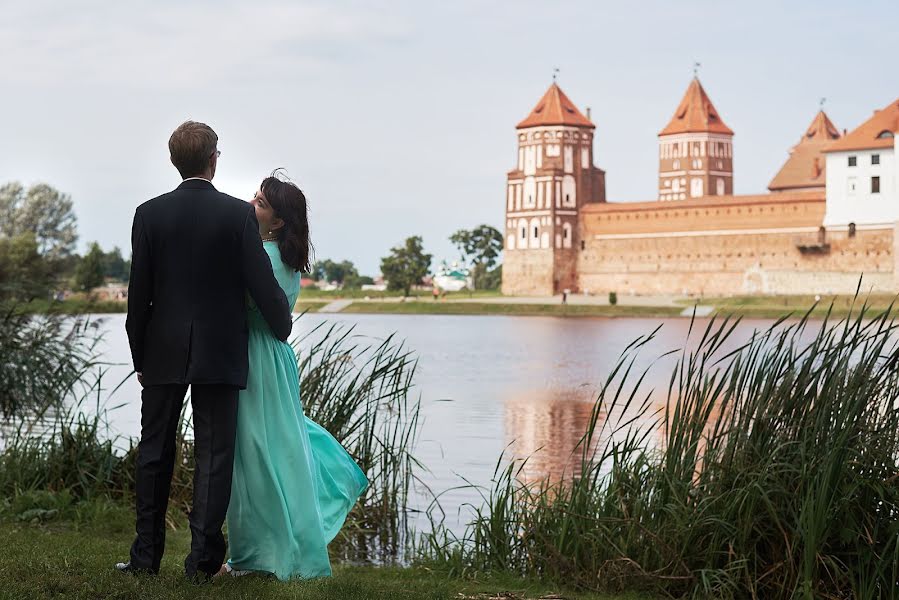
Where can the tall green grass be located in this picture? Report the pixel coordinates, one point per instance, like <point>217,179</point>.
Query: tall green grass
<point>357,388</point>
<point>778,476</point>
<point>44,359</point>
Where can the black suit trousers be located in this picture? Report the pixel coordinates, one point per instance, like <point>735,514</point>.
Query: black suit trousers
<point>215,424</point>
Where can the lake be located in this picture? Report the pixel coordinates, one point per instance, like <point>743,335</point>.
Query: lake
<point>486,384</point>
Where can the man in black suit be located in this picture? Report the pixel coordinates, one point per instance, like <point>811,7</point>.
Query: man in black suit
<point>196,252</point>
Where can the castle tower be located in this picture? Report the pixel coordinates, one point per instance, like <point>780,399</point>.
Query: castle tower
<point>805,169</point>
<point>554,177</point>
<point>695,150</point>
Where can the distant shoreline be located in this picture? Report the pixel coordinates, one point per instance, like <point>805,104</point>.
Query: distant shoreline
<point>762,307</point>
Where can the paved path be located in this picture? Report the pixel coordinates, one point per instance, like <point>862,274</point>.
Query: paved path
<point>335,306</point>
<point>701,311</point>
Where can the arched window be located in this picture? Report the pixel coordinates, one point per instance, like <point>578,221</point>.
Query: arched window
<point>851,229</point>
<point>535,233</point>
<point>523,233</point>
<point>696,187</point>
<point>885,134</point>
<point>719,187</point>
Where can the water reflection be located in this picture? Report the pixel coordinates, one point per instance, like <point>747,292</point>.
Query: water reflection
<point>546,426</point>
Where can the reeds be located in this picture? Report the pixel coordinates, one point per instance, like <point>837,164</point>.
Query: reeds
<point>357,388</point>
<point>778,476</point>
<point>44,359</point>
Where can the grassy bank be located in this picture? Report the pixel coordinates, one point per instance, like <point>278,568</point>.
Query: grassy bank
<point>772,307</point>
<point>71,556</point>
<point>762,307</point>
<point>83,306</point>
<point>430,307</point>
<point>78,305</point>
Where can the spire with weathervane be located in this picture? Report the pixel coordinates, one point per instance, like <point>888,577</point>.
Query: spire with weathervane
<point>695,149</point>
<point>804,169</point>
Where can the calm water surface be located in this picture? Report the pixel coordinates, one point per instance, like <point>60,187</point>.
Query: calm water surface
<point>487,384</point>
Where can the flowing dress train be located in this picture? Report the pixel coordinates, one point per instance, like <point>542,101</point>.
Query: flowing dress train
<point>293,483</point>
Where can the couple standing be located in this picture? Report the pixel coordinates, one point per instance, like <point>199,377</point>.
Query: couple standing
<point>213,280</point>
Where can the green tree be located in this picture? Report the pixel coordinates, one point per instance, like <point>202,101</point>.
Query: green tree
<point>24,274</point>
<point>492,279</point>
<point>334,272</point>
<point>480,249</point>
<point>406,265</point>
<point>89,272</point>
<point>355,282</point>
<point>42,211</point>
<point>115,266</point>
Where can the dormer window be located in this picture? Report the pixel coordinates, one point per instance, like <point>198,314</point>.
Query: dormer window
<point>853,161</point>
<point>885,134</point>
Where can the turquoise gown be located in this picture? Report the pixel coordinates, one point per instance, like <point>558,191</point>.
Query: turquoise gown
<point>293,483</point>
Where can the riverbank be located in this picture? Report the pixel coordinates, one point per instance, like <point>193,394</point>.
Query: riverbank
<point>74,559</point>
<point>490,303</point>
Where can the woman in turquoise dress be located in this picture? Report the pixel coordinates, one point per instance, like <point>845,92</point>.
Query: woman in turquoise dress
<point>293,483</point>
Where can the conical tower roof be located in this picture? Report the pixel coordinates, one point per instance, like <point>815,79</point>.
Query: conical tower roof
<point>696,114</point>
<point>805,166</point>
<point>822,129</point>
<point>555,108</point>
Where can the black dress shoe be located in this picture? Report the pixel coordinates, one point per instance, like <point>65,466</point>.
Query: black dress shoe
<point>126,567</point>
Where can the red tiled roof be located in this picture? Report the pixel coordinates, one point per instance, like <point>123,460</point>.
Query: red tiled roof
<point>696,114</point>
<point>555,108</point>
<point>805,166</point>
<point>873,133</point>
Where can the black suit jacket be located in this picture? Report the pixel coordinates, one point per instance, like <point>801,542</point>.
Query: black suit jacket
<point>195,253</point>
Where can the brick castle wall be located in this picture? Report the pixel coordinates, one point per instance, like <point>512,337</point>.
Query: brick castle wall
<point>721,265</point>
<point>528,272</point>
<point>769,244</point>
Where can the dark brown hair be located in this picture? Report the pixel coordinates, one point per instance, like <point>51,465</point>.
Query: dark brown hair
<point>289,204</point>
<point>191,146</point>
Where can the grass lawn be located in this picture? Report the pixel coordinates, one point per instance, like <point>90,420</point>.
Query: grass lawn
<point>308,306</point>
<point>430,307</point>
<point>777,306</point>
<point>78,305</point>
<point>67,560</point>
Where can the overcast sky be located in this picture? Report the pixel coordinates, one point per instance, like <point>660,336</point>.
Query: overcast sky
<point>399,120</point>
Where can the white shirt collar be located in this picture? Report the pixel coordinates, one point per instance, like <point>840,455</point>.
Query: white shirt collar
<point>200,178</point>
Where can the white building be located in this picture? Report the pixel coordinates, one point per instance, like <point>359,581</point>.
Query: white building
<point>863,174</point>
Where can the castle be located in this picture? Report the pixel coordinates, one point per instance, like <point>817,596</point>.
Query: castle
<point>829,217</point>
